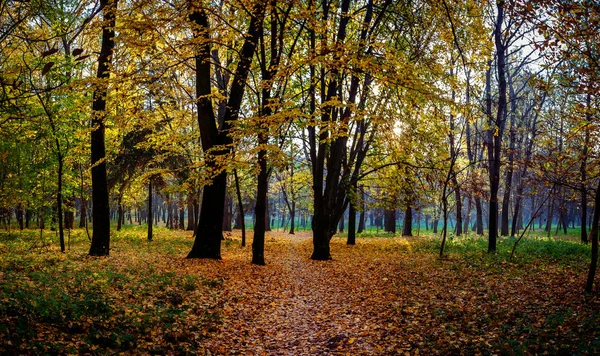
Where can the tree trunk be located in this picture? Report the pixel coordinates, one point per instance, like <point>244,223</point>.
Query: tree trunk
<point>390,220</point>
<point>150,213</point>
<point>511,158</point>
<point>20,216</point>
<point>207,243</point>
<point>407,225</point>
<point>240,207</point>
<point>458,198</point>
<point>321,237</point>
<point>594,237</point>
<point>59,203</point>
<point>341,224</point>
<point>83,212</point>
<point>27,218</point>
<point>260,209</point>
<point>351,225</point>
<point>361,220</point>
<point>190,211</point>
<point>293,217</point>
<point>496,130</point>
<point>267,215</point>
<point>583,172</point>
<point>120,215</point>
<point>478,216</point>
<point>227,213</point>
<point>100,207</point>
<point>181,213</point>
<point>209,231</point>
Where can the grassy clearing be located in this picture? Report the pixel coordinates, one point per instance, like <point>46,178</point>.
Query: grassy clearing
<point>137,299</point>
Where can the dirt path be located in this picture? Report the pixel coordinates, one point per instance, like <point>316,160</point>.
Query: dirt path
<point>292,306</point>
<point>388,297</point>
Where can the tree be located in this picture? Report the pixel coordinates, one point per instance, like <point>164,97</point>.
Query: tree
<point>496,127</point>
<point>329,152</point>
<point>216,142</point>
<point>100,207</point>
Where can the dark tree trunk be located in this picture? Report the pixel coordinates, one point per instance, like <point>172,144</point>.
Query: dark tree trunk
<point>390,221</point>
<point>69,213</point>
<point>361,221</point>
<point>150,219</point>
<point>240,207</point>
<point>583,172</point>
<point>196,206</point>
<point>511,158</point>
<point>27,218</point>
<point>260,209</point>
<point>267,215</point>
<point>227,214</point>
<point>478,216</point>
<point>20,216</point>
<point>594,237</point>
<point>341,224</point>
<point>321,236</point>
<point>181,213</point>
<point>100,207</point>
<point>120,215</point>
<point>436,220</point>
<point>458,198</point>
<point>407,225</point>
<point>82,213</point>
<point>496,130</point>
<point>190,211</point>
<point>209,231</point>
<point>293,217</point>
<point>59,202</point>
<point>351,225</point>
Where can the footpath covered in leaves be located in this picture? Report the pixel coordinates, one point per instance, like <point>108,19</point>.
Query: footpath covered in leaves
<point>388,296</point>
<point>393,296</point>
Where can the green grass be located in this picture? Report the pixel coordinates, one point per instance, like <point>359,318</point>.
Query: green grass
<point>58,303</point>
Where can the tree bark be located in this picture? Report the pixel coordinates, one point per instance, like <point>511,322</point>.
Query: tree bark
<point>496,128</point>
<point>59,201</point>
<point>390,220</point>
<point>511,158</point>
<point>150,219</point>
<point>583,172</point>
<point>100,206</point>
<point>190,211</point>
<point>120,215</point>
<point>351,225</point>
<point>407,225</point>
<point>240,207</point>
<point>341,224</point>
<point>260,209</point>
<point>594,237</point>
<point>361,216</point>
<point>293,217</point>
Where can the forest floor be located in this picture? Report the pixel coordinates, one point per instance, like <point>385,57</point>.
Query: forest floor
<point>382,296</point>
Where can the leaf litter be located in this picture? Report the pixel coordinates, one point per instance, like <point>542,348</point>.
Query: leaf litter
<point>388,296</point>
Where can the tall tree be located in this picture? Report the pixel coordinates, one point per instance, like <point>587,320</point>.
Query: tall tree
<point>496,130</point>
<point>100,207</point>
<point>215,138</point>
<point>335,159</point>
